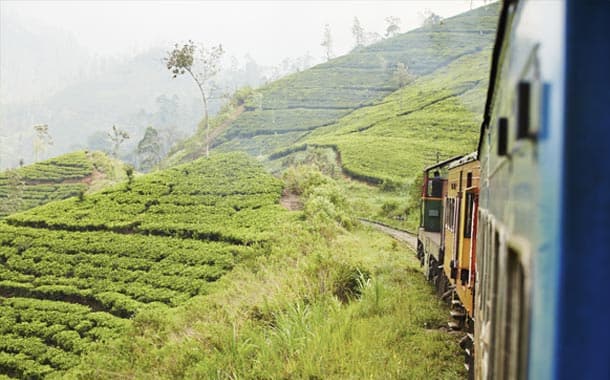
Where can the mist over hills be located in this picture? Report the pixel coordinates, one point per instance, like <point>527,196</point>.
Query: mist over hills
<point>80,96</point>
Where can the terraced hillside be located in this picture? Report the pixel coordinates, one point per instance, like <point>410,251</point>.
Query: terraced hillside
<point>72,271</point>
<point>289,110</point>
<point>391,141</point>
<point>54,179</point>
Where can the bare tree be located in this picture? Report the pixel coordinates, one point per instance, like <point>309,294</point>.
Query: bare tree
<point>201,64</point>
<point>327,43</point>
<point>42,140</point>
<point>358,33</point>
<point>117,136</point>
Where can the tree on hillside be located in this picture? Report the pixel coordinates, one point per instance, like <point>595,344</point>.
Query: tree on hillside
<point>393,26</point>
<point>402,76</point>
<point>42,140</point>
<point>117,136</point>
<point>431,18</point>
<point>327,43</point>
<point>149,149</point>
<point>358,33</point>
<point>202,64</point>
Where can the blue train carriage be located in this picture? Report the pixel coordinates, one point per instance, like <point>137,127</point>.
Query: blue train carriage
<point>429,236</point>
<point>543,261</point>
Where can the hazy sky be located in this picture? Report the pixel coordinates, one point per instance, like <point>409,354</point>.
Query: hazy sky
<point>268,30</point>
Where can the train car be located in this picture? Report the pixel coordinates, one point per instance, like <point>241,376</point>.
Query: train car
<point>430,247</point>
<point>543,263</point>
<point>460,228</point>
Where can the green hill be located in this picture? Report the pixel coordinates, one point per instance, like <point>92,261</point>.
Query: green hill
<point>292,110</point>
<point>56,178</point>
<point>74,270</point>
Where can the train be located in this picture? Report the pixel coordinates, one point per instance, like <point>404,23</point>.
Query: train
<point>516,235</point>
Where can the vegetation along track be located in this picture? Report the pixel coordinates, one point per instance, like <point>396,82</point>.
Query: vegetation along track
<point>404,236</point>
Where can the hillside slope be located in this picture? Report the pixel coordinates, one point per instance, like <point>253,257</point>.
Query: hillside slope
<point>56,178</point>
<point>73,271</point>
<point>435,117</point>
<point>289,110</point>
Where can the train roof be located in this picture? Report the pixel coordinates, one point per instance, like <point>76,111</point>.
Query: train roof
<point>495,67</point>
<point>442,163</point>
<point>464,160</point>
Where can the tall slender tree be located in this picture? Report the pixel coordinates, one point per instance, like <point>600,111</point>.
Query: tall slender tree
<point>358,33</point>
<point>42,140</point>
<point>202,64</point>
<point>327,43</point>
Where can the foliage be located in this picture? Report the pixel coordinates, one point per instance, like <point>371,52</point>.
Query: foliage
<point>117,137</point>
<point>151,245</point>
<point>202,64</point>
<point>392,27</point>
<point>149,149</point>
<point>327,43</point>
<point>279,317</point>
<point>358,33</point>
<point>283,112</point>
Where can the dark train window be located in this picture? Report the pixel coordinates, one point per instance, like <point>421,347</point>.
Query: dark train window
<point>468,180</point>
<point>468,213</point>
<point>515,342</point>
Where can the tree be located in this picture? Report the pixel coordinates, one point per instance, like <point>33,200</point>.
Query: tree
<point>401,75</point>
<point>327,43</point>
<point>42,140</point>
<point>393,27</point>
<point>358,33</point>
<point>117,136</point>
<point>149,149</point>
<point>201,64</point>
<point>431,18</point>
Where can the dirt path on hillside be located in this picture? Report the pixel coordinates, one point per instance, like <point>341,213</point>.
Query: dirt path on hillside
<point>291,201</point>
<point>404,236</point>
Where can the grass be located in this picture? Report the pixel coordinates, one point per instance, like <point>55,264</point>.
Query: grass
<point>280,315</point>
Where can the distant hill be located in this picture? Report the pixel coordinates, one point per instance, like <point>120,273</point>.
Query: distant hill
<point>318,105</point>
<point>57,178</point>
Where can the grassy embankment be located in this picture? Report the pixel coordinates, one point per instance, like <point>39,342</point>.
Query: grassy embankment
<point>196,272</point>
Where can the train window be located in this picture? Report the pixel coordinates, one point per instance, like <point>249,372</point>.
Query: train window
<point>514,318</point>
<point>450,214</point>
<point>502,136</point>
<point>469,180</point>
<point>468,213</point>
<point>523,110</point>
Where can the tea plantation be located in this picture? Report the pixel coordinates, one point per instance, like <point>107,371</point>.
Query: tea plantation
<point>54,179</point>
<point>74,270</point>
<point>291,109</point>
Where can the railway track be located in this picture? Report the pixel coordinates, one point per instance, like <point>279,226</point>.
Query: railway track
<point>401,235</point>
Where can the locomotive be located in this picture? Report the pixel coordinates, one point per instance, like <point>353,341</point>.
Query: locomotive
<point>515,235</point>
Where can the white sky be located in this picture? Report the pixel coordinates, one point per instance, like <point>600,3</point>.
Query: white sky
<point>268,30</point>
